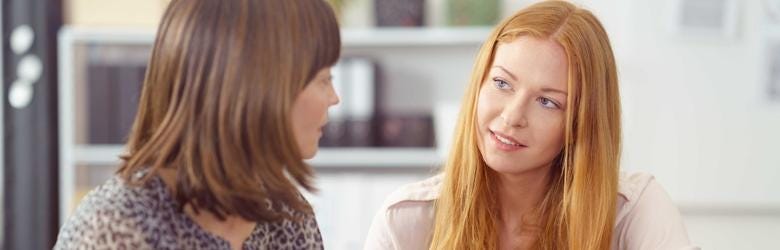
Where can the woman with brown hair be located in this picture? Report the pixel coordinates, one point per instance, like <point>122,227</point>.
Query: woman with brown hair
<point>234,99</point>
<point>535,158</point>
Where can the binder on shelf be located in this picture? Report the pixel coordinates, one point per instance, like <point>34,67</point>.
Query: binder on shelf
<point>403,13</point>
<point>100,105</point>
<point>407,131</point>
<point>129,86</point>
<point>112,100</point>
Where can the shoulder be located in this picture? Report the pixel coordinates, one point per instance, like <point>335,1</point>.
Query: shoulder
<point>422,191</point>
<point>416,198</point>
<point>646,217</point>
<point>631,186</point>
<point>406,218</point>
<point>634,189</point>
<point>412,205</point>
<point>115,214</point>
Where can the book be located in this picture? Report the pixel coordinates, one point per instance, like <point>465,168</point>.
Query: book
<point>101,107</point>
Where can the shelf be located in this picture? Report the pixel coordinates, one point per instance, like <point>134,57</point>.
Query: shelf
<point>414,36</point>
<point>375,157</point>
<point>326,157</point>
<point>98,154</point>
<point>122,35</point>
<point>378,37</point>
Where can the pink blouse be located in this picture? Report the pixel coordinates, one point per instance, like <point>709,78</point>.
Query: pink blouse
<point>646,217</point>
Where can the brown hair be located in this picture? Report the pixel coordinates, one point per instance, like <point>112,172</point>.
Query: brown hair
<point>578,210</point>
<point>217,97</point>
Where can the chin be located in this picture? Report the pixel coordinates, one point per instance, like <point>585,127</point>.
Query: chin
<point>507,166</point>
<point>309,153</point>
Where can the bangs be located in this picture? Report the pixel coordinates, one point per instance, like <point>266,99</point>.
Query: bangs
<point>325,40</point>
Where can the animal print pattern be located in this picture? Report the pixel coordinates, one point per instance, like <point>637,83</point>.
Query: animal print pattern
<point>119,216</point>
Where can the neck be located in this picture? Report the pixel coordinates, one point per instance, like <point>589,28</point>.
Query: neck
<point>519,196</point>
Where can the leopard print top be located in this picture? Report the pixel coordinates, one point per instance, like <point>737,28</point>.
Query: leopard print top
<point>119,216</point>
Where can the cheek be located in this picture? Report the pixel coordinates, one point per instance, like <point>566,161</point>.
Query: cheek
<point>485,110</point>
<point>317,111</point>
<point>554,133</point>
<point>309,115</point>
<point>299,120</point>
<point>301,116</point>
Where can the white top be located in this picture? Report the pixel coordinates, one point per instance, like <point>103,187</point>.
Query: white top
<point>646,217</point>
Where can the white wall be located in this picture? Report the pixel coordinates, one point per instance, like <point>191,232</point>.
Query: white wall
<point>698,116</point>
<point>730,231</point>
<point>697,112</point>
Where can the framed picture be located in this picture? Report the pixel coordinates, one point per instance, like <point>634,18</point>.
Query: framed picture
<point>771,32</point>
<point>705,18</point>
<point>773,68</point>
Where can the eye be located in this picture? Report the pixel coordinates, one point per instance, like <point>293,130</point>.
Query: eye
<point>501,84</point>
<point>548,103</point>
<point>327,81</point>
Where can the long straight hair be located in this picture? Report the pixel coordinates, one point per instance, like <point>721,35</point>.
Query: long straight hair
<point>216,100</point>
<point>578,210</point>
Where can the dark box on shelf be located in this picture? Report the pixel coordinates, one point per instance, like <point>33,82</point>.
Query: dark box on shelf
<point>406,131</point>
<point>112,99</point>
<point>404,13</point>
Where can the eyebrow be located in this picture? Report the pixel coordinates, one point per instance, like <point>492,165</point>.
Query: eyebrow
<point>506,71</point>
<point>555,90</point>
<point>543,89</point>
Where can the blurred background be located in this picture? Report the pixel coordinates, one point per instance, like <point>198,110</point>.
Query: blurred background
<point>700,86</point>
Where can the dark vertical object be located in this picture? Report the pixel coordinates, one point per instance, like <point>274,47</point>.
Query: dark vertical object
<point>774,72</point>
<point>112,99</point>
<point>30,160</point>
<point>128,92</point>
<point>403,13</point>
<point>101,82</point>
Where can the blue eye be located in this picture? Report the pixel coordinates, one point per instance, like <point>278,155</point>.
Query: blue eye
<point>548,103</point>
<point>501,84</point>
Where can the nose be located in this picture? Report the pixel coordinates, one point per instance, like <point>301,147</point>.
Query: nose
<point>333,96</point>
<point>514,112</point>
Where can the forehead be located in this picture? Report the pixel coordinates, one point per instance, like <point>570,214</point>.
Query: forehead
<point>533,60</point>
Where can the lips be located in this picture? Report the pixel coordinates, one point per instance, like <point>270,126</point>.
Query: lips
<point>506,140</point>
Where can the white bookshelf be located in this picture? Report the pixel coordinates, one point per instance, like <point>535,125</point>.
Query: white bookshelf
<point>420,47</point>
<point>379,37</point>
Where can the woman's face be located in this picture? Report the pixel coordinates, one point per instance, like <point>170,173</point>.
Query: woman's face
<point>521,107</point>
<point>310,112</point>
